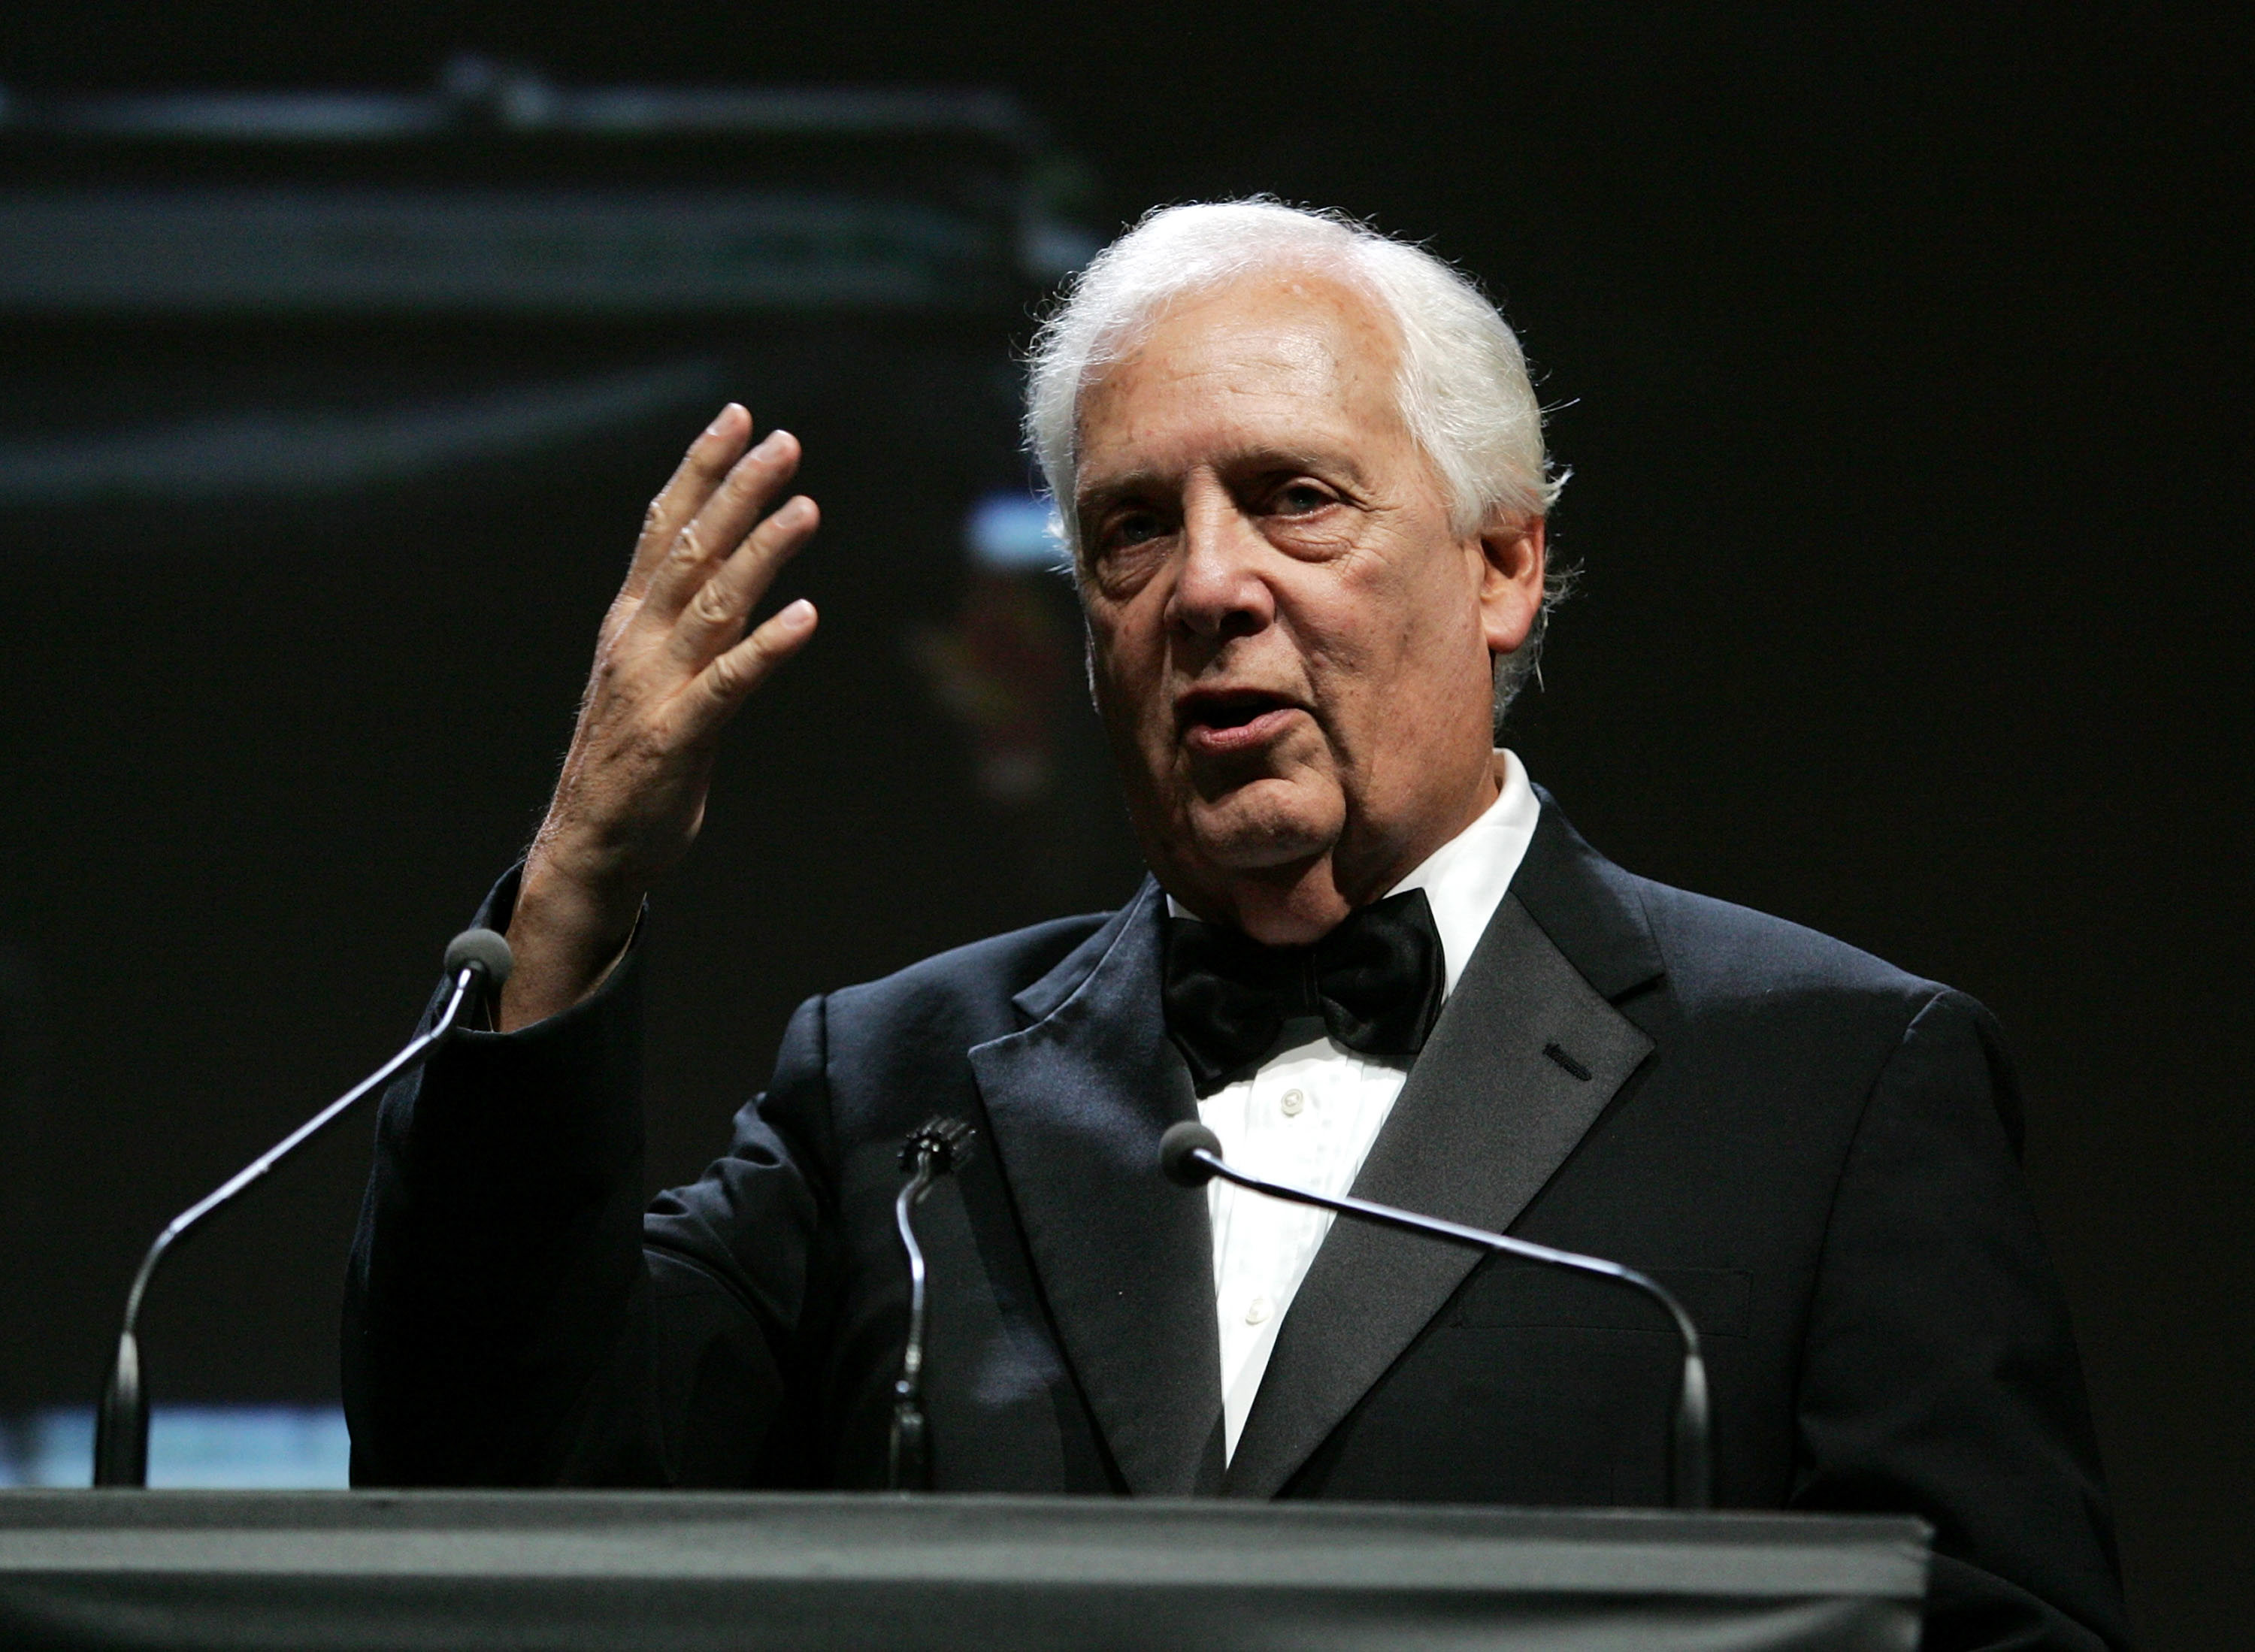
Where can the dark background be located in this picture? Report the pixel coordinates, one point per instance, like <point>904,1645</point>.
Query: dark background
<point>1900,362</point>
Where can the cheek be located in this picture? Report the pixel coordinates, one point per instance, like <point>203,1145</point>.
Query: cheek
<point>1126,665</point>
<point>1378,646</point>
<point>1358,635</point>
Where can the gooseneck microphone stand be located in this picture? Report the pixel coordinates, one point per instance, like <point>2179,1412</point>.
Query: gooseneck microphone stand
<point>1190,1155</point>
<point>931,1152</point>
<point>477,960</point>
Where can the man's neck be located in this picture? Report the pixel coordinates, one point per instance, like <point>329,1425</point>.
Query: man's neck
<point>1301,902</point>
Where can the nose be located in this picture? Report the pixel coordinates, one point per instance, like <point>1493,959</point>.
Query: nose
<point>1219,590</point>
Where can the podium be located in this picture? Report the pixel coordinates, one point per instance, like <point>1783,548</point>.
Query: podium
<point>480,1571</point>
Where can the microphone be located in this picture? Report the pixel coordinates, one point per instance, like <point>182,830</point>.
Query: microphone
<point>477,961</point>
<point>1190,1156</point>
<point>932,1150</point>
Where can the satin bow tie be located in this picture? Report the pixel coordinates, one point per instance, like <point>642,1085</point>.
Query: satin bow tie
<point>1375,981</point>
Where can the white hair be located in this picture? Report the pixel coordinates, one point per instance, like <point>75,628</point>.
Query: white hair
<point>1463,387</point>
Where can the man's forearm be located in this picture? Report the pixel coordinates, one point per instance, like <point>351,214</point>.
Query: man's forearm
<point>499,1250</point>
<point>567,936</point>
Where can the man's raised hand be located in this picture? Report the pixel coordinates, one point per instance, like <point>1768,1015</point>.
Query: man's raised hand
<point>673,661</point>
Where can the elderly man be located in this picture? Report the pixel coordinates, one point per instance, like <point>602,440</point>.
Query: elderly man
<point>1302,472</point>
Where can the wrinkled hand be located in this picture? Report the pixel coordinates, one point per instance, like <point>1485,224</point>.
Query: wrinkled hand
<point>673,662</point>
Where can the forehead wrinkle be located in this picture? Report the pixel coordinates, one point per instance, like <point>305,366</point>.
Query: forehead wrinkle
<point>1322,438</point>
<point>1337,296</point>
<point>1300,320</point>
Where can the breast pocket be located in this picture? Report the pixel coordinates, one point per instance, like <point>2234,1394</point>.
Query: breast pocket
<point>1529,1294</point>
<point>1538,1386</point>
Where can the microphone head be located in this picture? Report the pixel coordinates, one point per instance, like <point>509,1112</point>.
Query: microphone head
<point>948,1140</point>
<point>1178,1149</point>
<point>482,950</point>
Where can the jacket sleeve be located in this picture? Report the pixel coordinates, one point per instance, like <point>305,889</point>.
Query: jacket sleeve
<point>1939,1375</point>
<point>513,1317</point>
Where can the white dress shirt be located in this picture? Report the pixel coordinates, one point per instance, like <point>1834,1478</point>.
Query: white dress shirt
<point>1311,1113</point>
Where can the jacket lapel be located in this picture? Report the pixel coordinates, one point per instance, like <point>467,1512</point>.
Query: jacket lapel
<point>1077,1101</point>
<point>1487,1116</point>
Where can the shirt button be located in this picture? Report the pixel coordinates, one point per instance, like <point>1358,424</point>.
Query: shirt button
<point>1257,1310</point>
<point>1293,1101</point>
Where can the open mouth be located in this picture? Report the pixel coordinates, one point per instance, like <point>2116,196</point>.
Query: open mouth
<point>1231,719</point>
<point>1233,711</point>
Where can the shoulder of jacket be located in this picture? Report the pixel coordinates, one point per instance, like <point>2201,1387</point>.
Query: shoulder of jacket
<point>985,972</point>
<point>1718,949</point>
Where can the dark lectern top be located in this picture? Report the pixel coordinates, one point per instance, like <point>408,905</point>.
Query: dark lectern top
<point>679,1572</point>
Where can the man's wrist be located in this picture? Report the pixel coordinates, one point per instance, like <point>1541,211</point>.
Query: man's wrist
<point>567,938</point>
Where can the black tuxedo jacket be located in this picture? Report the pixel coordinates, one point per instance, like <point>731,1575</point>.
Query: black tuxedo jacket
<point>1814,1151</point>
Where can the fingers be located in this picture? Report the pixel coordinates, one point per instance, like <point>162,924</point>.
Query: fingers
<point>721,687</point>
<point>714,617</point>
<point>721,522</point>
<point>701,470</point>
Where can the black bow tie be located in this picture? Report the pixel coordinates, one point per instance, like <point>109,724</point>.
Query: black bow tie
<point>1375,981</point>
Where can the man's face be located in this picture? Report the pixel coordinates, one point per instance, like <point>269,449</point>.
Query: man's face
<point>1291,646</point>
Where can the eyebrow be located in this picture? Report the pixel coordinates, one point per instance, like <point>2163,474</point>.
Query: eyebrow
<point>1265,461</point>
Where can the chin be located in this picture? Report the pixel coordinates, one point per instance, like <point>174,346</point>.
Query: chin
<point>1266,823</point>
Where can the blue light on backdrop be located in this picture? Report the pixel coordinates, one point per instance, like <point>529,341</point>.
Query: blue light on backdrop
<point>1013,531</point>
<point>227,1447</point>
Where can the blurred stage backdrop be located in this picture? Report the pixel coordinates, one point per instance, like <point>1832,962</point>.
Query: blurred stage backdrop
<point>374,382</point>
<point>1899,363</point>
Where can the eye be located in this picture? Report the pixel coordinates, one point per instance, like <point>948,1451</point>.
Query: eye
<point>1299,499</point>
<point>1129,529</point>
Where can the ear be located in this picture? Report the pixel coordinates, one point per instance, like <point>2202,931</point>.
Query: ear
<point>1511,581</point>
